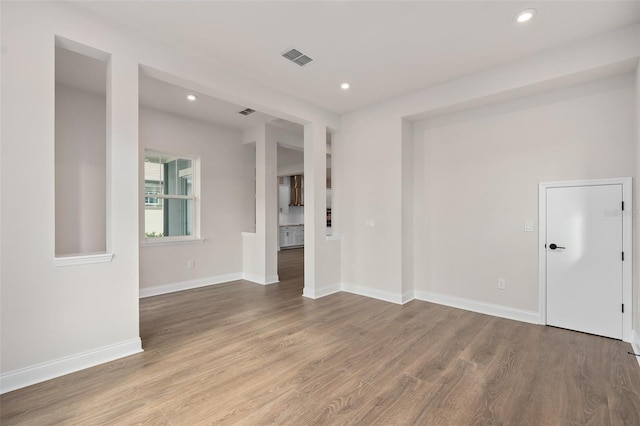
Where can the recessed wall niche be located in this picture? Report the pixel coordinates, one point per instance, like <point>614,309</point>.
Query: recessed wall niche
<point>80,149</point>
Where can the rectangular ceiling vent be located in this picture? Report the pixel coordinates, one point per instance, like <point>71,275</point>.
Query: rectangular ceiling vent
<point>297,57</point>
<point>247,111</point>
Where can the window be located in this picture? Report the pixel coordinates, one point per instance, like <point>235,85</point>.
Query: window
<point>169,196</point>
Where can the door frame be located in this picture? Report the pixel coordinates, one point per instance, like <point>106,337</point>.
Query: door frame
<point>627,246</point>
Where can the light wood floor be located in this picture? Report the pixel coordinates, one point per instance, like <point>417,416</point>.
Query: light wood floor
<point>246,354</point>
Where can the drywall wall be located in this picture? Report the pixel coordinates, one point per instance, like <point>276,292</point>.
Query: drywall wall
<point>321,256</point>
<point>249,190</point>
<point>369,218</point>
<point>59,319</point>
<point>482,168</point>
<point>221,203</point>
<point>636,209</point>
<point>371,148</point>
<point>80,171</point>
<point>407,225</point>
<point>291,139</point>
<point>55,320</point>
<point>260,248</point>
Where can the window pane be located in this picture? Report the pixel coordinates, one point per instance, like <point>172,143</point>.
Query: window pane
<point>154,218</point>
<point>168,218</point>
<point>151,188</point>
<point>168,175</point>
<point>183,177</point>
<point>154,173</point>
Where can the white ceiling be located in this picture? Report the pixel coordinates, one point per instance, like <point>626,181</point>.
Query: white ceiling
<point>89,74</point>
<point>84,73</point>
<point>289,157</point>
<point>173,99</point>
<point>384,48</point>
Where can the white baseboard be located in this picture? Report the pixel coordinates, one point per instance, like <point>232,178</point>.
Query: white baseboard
<point>187,285</point>
<point>317,294</point>
<point>375,294</point>
<point>361,291</point>
<point>480,307</point>
<point>408,296</point>
<point>273,279</point>
<point>49,370</point>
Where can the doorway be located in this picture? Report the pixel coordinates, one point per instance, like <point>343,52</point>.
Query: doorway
<point>585,256</point>
<point>291,221</point>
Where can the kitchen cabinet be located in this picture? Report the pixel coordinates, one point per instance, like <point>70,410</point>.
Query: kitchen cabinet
<point>299,236</point>
<point>287,236</point>
<point>291,236</point>
<point>284,194</point>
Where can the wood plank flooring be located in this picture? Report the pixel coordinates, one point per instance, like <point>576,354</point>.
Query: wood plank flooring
<point>246,354</point>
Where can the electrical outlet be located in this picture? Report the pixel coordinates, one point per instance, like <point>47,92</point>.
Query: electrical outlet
<point>501,283</point>
<point>190,264</point>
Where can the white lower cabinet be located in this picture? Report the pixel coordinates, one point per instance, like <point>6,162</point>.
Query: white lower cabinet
<point>291,236</point>
<point>299,236</point>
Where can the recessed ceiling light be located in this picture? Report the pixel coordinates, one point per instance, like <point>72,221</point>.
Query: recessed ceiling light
<point>192,97</point>
<point>525,16</point>
<point>345,85</point>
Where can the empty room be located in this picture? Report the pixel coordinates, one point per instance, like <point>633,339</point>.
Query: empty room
<point>320,212</point>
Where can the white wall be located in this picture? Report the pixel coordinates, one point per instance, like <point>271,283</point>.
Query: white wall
<point>321,257</point>
<point>80,171</point>
<point>50,314</point>
<point>368,194</point>
<point>260,248</point>
<point>636,209</point>
<point>481,170</point>
<point>53,319</point>
<point>58,319</point>
<point>368,159</point>
<point>222,199</point>
<point>295,216</point>
<point>408,212</point>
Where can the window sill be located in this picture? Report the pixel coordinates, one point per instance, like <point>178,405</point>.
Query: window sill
<point>167,242</point>
<point>83,259</point>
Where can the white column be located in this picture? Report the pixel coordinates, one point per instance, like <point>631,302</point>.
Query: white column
<point>123,178</point>
<point>636,200</point>
<point>260,257</point>
<point>315,181</point>
<point>270,206</point>
<point>407,222</point>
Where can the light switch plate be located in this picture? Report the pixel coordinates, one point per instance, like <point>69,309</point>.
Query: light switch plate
<point>528,226</point>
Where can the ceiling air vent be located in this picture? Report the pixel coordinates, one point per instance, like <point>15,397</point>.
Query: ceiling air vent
<point>296,56</point>
<point>247,111</point>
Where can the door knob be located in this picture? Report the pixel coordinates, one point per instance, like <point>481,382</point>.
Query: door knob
<point>554,246</point>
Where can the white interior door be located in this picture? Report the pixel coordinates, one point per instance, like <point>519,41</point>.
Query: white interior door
<point>584,258</point>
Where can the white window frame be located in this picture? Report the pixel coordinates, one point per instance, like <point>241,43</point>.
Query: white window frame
<point>194,197</point>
